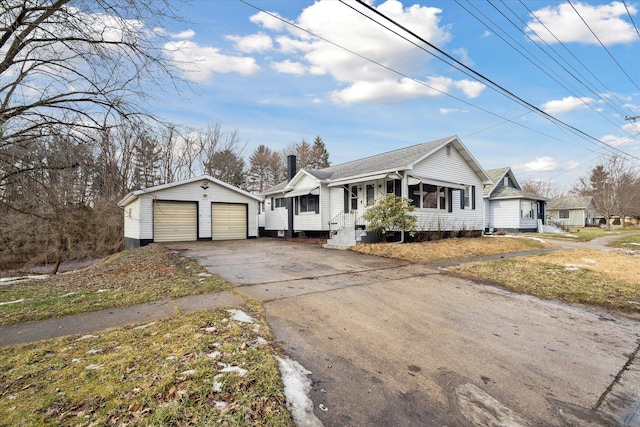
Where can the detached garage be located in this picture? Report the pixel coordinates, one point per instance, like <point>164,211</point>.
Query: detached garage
<point>202,208</point>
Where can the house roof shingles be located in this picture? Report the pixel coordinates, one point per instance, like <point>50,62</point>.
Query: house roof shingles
<point>569,202</point>
<point>390,161</point>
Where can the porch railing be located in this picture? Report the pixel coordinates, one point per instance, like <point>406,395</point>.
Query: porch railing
<point>348,221</point>
<point>340,221</point>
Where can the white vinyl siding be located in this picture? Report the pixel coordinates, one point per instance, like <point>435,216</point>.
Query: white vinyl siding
<point>274,218</point>
<point>132,220</point>
<point>451,168</point>
<point>505,214</point>
<point>228,221</point>
<point>311,221</point>
<point>175,221</point>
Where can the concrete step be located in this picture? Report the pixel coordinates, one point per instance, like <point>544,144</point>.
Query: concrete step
<point>340,246</point>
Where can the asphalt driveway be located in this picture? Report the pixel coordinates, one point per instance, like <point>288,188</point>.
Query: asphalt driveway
<point>390,343</point>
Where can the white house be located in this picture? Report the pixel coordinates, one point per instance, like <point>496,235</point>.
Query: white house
<point>441,177</point>
<point>507,207</point>
<point>572,212</point>
<point>202,208</point>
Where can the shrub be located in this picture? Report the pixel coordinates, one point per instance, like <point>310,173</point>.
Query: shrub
<point>390,213</point>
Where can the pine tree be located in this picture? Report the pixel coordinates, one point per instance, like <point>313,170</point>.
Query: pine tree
<point>320,155</point>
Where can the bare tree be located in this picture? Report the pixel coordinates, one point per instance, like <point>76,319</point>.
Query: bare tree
<point>543,188</point>
<point>66,64</point>
<point>612,186</point>
<point>221,155</point>
<point>260,175</point>
<point>73,76</point>
<point>309,156</point>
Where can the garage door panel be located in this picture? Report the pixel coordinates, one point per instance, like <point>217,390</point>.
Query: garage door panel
<point>228,221</point>
<point>175,221</point>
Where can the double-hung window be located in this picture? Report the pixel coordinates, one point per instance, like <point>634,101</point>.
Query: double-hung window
<point>309,203</point>
<point>428,196</point>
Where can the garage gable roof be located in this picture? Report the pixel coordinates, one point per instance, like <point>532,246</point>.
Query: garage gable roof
<point>135,194</point>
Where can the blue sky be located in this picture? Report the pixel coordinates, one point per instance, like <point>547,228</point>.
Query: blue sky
<point>276,84</point>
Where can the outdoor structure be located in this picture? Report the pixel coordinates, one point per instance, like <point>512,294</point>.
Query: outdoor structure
<point>442,178</point>
<point>572,211</point>
<point>202,208</point>
<point>507,207</point>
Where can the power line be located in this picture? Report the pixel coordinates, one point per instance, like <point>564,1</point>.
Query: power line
<point>631,17</point>
<point>480,77</point>
<point>583,80</point>
<point>399,72</point>
<point>603,46</point>
<point>529,55</point>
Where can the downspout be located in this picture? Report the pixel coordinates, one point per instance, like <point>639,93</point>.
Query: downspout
<point>291,172</point>
<point>404,179</point>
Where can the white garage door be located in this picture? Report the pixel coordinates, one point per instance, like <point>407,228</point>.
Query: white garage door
<point>228,221</point>
<point>175,221</point>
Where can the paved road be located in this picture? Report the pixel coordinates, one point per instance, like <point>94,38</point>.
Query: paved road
<point>394,344</point>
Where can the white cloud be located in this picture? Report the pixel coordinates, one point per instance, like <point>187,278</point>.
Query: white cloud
<point>289,67</point>
<point>252,43</point>
<point>452,111</point>
<point>566,105</point>
<point>363,80</point>
<point>464,56</point>
<point>187,34</point>
<point>618,141</point>
<point>565,24</point>
<point>199,63</point>
<point>633,127</point>
<point>390,90</point>
<point>540,164</point>
<point>267,21</point>
<point>470,88</point>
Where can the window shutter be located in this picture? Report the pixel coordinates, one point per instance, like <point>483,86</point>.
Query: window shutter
<point>473,197</point>
<point>346,199</point>
<point>450,200</point>
<point>398,187</point>
<point>295,202</point>
<point>272,203</point>
<point>317,204</point>
<point>462,199</point>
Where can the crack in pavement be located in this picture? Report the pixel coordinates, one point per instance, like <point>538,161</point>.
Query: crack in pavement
<point>618,377</point>
<point>320,276</point>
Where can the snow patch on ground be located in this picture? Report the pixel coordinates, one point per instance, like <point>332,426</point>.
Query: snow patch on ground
<point>12,280</point>
<point>144,326</point>
<point>68,294</point>
<point>296,389</point>
<point>240,316</point>
<point>12,302</point>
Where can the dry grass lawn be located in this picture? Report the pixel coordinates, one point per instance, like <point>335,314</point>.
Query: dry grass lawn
<point>201,368</point>
<point>616,265</point>
<point>152,273</point>
<point>603,278</point>
<point>451,248</point>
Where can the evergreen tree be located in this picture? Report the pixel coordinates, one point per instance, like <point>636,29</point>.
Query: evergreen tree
<point>319,154</point>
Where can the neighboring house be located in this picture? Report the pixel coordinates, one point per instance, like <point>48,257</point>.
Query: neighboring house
<point>507,207</point>
<point>442,178</point>
<point>572,211</point>
<point>202,208</point>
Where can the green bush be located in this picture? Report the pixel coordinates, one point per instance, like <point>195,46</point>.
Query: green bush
<point>389,214</point>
